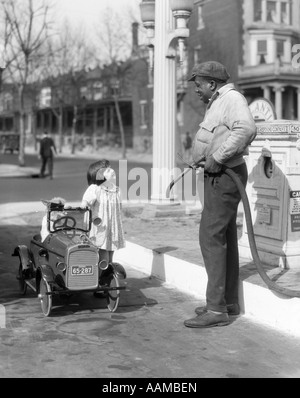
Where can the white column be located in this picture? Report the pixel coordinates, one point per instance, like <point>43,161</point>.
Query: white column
<point>164,124</point>
<point>290,106</point>
<point>267,92</point>
<point>278,101</point>
<point>298,106</point>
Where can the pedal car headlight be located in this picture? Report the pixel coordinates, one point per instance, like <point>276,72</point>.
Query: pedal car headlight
<point>103,265</point>
<point>61,267</point>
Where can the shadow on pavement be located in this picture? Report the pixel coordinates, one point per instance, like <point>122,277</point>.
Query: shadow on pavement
<point>131,299</point>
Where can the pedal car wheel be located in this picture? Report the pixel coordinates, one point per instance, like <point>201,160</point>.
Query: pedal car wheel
<point>46,299</point>
<point>21,279</point>
<point>113,296</point>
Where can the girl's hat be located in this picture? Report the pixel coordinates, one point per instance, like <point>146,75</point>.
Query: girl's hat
<point>55,203</point>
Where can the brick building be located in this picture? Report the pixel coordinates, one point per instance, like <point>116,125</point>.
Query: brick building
<point>255,40</point>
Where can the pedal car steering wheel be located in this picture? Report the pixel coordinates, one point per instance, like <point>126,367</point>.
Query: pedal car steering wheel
<point>64,223</point>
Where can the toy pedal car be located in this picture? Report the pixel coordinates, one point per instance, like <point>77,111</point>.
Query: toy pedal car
<point>67,262</point>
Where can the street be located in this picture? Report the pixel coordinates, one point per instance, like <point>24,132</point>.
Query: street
<point>145,338</point>
<point>70,180</point>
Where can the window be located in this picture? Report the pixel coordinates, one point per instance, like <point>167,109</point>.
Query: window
<point>284,14</point>
<point>262,51</point>
<point>7,104</point>
<point>280,48</point>
<point>45,97</point>
<point>262,47</point>
<point>85,93</point>
<point>273,11</point>
<point>200,17</point>
<point>98,91</point>
<point>257,10</point>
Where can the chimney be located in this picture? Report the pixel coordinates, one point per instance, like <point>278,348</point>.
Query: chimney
<point>135,38</point>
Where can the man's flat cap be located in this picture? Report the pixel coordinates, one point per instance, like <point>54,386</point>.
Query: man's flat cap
<point>212,69</point>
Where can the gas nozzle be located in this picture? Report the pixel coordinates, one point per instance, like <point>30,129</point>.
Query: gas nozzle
<point>199,165</point>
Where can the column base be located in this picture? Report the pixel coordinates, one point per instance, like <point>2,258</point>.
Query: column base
<point>176,209</point>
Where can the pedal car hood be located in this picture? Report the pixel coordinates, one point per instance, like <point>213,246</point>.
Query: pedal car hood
<point>60,241</point>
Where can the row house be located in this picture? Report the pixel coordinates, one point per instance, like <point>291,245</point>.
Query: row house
<point>90,96</point>
<point>92,93</point>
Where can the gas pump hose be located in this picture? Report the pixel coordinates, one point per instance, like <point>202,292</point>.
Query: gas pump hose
<point>271,285</point>
<point>248,217</point>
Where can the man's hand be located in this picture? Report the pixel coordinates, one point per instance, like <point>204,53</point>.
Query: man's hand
<point>212,166</point>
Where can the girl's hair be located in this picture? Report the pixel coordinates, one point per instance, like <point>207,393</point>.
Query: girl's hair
<point>100,175</point>
<point>93,169</point>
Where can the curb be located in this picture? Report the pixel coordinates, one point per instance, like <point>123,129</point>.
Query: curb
<point>258,303</point>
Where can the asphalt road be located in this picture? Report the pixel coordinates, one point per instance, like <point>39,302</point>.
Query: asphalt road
<point>70,180</point>
<point>144,339</point>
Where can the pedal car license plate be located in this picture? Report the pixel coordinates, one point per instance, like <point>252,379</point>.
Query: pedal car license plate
<point>80,271</point>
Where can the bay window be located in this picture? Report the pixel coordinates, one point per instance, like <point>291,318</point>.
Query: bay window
<point>273,11</point>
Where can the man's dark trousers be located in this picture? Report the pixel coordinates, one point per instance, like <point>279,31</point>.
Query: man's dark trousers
<point>218,238</point>
<point>47,160</point>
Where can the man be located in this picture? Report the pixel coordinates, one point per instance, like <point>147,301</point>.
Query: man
<point>222,141</point>
<point>47,151</point>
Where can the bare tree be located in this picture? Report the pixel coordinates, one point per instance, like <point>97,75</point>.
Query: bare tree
<point>114,47</point>
<point>27,27</point>
<point>68,57</point>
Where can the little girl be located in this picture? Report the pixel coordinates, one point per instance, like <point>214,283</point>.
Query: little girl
<point>104,199</point>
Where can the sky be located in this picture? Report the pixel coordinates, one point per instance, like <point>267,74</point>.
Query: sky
<point>88,11</point>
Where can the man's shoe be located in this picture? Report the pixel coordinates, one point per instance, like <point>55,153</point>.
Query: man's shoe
<point>232,309</point>
<point>207,320</point>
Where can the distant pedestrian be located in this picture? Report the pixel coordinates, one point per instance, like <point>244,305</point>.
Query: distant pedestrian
<point>46,154</point>
<point>187,144</point>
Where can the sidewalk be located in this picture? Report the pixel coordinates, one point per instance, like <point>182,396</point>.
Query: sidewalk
<point>168,250</point>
